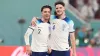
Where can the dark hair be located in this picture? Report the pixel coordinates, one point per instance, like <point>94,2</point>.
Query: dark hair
<point>46,6</point>
<point>60,2</point>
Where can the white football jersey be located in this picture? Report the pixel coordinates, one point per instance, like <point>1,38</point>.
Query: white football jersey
<point>40,36</point>
<point>60,29</point>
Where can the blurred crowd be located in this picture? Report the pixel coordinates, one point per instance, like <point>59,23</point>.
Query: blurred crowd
<point>89,9</point>
<point>86,38</point>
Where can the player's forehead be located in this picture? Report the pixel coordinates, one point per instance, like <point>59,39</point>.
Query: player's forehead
<point>59,5</point>
<point>46,9</point>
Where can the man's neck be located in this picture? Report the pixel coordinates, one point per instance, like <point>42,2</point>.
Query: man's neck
<point>45,21</point>
<point>62,16</point>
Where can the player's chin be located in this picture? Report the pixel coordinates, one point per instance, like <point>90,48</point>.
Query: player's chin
<point>59,13</point>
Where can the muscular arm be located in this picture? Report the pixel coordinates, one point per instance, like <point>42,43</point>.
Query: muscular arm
<point>73,43</point>
<point>72,37</point>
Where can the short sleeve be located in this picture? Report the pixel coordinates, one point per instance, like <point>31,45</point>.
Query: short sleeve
<point>71,26</point>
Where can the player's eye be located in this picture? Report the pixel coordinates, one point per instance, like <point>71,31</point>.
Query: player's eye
<point>49,12</point>
<point>45,11</point>
<point>60,7</point>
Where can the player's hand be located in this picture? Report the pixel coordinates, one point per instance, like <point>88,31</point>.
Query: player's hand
<point>33,22</point>
<point>49,50</point>
<point>28,50</point>
<point>74,54</point>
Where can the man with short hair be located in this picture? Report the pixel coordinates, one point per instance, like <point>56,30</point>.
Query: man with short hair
<point>40,34</point>
<point>61,28</point>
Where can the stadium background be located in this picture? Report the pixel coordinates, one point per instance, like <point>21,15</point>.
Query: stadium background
<point>16,15</point>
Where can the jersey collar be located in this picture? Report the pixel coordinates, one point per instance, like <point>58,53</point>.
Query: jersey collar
<point>42,21</point>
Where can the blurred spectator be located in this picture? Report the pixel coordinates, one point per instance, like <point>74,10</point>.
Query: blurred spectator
<point>94,5</point>
<point>73,3</point>
<point>96,39</point>
<point>98,1</point>
<point>76,36</point>
<point>90,33</point>
<point>97,14</point>
<point>76,31</point>
<point>66,2</point>
<point>82,37</point>
<point>89,36</point>
<point>92,43</point>
<point>87,11</point>
<point>80,4</point>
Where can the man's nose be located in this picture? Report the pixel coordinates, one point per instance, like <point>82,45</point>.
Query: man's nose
<point>47,13</point>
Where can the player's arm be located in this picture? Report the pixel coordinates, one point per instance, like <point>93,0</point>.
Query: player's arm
<point>34,19</point>
<point>73,43</point>
<point>72,37</point>
<point>26,37</point>
<point>49,48</point>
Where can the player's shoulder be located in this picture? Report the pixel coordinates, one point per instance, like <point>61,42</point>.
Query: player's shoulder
<point>53,17</point>
<point>68,20</point>
<point>39,21</point>
<point>31,27</point>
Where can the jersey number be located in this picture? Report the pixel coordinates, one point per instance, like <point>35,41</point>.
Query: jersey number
<point>39,30</point>
<point>53,27</point>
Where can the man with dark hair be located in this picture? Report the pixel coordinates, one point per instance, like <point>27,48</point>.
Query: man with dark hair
<point>61,28</point>
<point>60,2</point>
<point>40,34</point>
<point>46,6</point>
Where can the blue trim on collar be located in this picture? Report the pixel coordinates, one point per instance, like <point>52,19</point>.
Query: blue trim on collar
<point>67,19</point>
<point>40,21</point>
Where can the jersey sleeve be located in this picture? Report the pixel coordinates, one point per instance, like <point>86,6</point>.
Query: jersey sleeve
<point>71,26</point>
<point>27,34</point>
